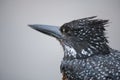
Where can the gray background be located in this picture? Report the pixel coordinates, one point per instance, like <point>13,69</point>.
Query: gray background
<point>26,54</point>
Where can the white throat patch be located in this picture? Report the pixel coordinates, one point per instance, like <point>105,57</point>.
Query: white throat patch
<point>70,51</point>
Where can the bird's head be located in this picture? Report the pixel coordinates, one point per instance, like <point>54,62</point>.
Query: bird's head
<point>80,38</point>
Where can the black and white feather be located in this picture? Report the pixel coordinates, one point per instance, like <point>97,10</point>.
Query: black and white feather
<point>88,56</point>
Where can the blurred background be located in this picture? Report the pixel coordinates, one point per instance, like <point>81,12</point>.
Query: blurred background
<point>26,54</point>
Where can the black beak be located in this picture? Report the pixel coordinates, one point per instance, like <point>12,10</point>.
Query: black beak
<point>49,30</point>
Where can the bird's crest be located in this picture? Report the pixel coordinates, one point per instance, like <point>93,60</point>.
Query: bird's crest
<point>88,22</point>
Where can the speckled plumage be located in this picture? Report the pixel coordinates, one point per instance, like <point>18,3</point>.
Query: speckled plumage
<point>87,55</point>
<point>98,67</point>
<point>94,60</point>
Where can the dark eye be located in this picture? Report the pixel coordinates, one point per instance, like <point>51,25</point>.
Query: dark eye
<point>65,30</point>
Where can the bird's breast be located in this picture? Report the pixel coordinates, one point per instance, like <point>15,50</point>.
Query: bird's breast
<point>100,67</point>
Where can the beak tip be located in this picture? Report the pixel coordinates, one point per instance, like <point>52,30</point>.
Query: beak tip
<point>36,27</point>
<point>30,25</point>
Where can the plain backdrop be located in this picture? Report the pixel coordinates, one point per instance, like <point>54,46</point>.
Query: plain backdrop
<point>26,54</point>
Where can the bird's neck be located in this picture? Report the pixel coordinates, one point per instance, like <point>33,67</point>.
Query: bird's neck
<point>70,52</point>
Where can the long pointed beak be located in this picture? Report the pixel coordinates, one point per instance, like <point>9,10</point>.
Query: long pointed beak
<point>48,29</point>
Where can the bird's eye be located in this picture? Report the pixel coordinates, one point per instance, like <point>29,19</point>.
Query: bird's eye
<point>65,30</point>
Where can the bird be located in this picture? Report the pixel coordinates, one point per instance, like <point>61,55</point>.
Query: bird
<point>87,54</point>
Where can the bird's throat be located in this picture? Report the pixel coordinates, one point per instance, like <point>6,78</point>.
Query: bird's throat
<point>72,53</point>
